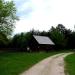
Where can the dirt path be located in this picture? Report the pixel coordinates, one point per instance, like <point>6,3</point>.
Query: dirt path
<point>53,65</point>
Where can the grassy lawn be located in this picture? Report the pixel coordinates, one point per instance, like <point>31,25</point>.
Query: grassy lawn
<point>70,64</point>
<point>15,63</point>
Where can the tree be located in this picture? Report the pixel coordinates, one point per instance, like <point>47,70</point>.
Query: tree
<point>3,40</point>
<point>44,33</point>
<point>71,41</point>
<point>21,41</point>
<point>58,37</point>
<point>7,17</point>
<point>34,32</point>
<point>61,28</point>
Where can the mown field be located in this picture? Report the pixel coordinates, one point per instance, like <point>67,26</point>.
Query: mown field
<point>15,63</point>
<point>70,64</point>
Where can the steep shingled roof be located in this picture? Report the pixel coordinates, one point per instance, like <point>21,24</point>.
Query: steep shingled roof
<point>43,40</point>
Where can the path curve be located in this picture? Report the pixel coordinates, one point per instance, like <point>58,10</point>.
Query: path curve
<point>53,65</point>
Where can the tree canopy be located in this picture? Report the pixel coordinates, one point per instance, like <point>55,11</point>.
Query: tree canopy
<point>62,37</point>
<point>3,40</point>
<point>58,37</point>
<point>21,40</point>
<point>7,17</point>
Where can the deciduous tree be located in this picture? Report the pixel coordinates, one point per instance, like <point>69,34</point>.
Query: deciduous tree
<point>7,17</point>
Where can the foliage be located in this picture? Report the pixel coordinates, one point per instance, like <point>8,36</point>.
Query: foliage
<point>37,32</point>
<point>3,40</point>
<point>58,37</point>
<point>21,40</point>
<point>62,37</point>
<point>71,40</point>
<point>61,28</point>
<point>7,16</point>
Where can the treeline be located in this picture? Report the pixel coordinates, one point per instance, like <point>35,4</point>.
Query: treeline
<point>62,37</point>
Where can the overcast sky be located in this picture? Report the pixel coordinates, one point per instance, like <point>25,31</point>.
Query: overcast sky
<point>42,14</point>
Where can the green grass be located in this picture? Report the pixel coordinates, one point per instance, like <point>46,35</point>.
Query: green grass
<point>15,63</point>
<point>70,64</point>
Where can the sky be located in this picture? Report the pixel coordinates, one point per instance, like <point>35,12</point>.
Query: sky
<point>42,14</point>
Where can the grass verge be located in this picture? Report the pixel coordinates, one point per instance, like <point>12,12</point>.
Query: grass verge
<point>15,63</point>
<point>70,64</point>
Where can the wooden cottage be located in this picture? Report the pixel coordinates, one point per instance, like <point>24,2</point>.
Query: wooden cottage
<point>39,43</point>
